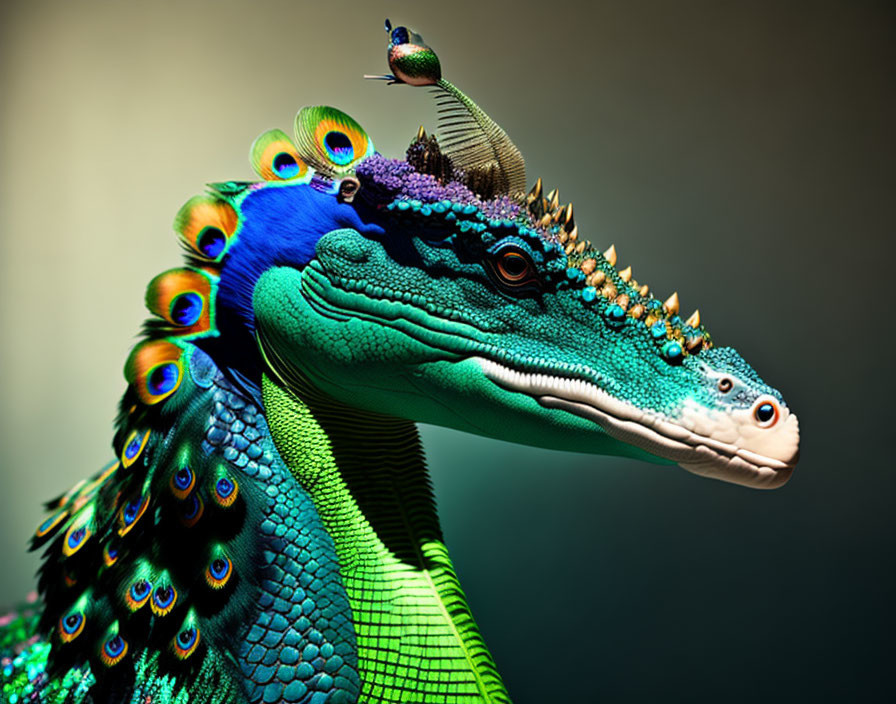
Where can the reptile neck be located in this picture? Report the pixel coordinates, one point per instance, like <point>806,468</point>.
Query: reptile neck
<point>367,477</point>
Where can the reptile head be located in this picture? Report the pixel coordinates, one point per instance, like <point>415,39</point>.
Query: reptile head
<point>433,288</point>
<point>493,316</point>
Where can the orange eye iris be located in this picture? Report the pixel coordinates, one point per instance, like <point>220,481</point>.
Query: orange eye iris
<point>513,267</point>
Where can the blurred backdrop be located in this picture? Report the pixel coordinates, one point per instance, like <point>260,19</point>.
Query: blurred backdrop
<point>740,153</point>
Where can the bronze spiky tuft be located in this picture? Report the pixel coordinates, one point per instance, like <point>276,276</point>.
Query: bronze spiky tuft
<point>426,157</point>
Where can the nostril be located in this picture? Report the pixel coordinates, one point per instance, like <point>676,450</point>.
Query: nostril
<point>766,413</point>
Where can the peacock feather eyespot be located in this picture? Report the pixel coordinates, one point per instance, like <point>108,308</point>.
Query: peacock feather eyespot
<point>274,157</point>
<point>51,524</point>
<point>155,370</point>
<point>192,510</point>
<point>138,594</point>
<point>113,650</point>
<point>133,446</point>
<point>131,512</point>
<point>184,644</point>
<point>218,572</point>
<point>76,537</point>
<point>71,626</point>
<point>186,308</point>
<point>110,555</point>
<point>285,165</point>
<point>163,379</point>
<point>182,482</point>
<point>211,241</point>
<point>205,224</point>
<point>331,141</point>
<point>164,598</point>
<point>226,491</point>
<point>339,147</point>
<point>182,297</point>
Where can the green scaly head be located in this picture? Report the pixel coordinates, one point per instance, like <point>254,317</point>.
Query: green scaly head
<point>467,303</point>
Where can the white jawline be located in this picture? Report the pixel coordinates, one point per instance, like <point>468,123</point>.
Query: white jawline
<point>695,452</point>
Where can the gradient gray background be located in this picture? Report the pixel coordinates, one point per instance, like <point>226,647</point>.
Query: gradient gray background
<point>739,153</point>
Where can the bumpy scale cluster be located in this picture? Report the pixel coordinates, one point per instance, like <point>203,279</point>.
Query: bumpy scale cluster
<point>426,186</point>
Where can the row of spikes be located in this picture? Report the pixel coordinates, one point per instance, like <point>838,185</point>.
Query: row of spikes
<point>547,213</point>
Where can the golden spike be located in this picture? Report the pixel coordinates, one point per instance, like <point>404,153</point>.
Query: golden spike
<point>555,216</point>
<point>597,278</point>
<point>563,237</point>
<point>574,233</point>
<point>545,221</point>
<point>588,266</point>
<point>650,320</point>
<point>610,291</point>
<point>694,344</point>
<point>637,311</point>
<point>554,197</point>
<point>421,134</point>
<point>567,218</point>
<point>536,209</point>
<point>535,193</point>
<point>580,247</point>
<point>672,303</point>
<point>644,290</point>
<point>626,274</point>
<point>571,246</point>
<point>622,301</point>
<point>694,320</point>
<point>610,255</point>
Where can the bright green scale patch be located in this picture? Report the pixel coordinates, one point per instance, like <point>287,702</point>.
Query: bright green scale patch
<point>366,475</point>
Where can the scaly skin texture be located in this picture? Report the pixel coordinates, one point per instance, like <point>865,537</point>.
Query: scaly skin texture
<point>267,531</point>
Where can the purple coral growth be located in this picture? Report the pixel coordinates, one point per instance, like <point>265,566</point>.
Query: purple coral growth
<point>393,178</point>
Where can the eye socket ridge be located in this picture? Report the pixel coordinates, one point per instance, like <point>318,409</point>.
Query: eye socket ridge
<point>512,269</point>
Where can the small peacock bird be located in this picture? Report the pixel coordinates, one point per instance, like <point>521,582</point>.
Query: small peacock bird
<point>267,531</point>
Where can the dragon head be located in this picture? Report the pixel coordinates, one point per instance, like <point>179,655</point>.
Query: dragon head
<point>493,317</point>
<point>435,288</point>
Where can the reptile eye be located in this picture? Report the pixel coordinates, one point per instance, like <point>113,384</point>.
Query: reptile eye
<point>513,269</point>
<point>766,414</point>
<point>725,384</point>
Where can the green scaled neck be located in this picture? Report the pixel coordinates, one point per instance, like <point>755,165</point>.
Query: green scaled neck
<point>368,479</point>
